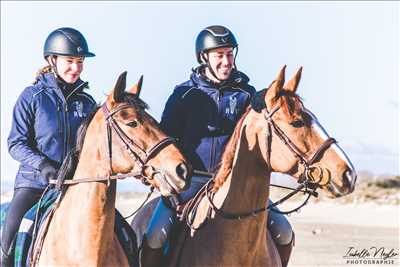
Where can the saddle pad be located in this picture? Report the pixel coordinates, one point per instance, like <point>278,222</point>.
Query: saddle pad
<point>23,241</point>
<point>26,228</point>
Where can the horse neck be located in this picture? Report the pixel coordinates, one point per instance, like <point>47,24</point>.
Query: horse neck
<point>99,195</point>
<point>230,242</point>
<point>246,188</point>
<point>91,204</point>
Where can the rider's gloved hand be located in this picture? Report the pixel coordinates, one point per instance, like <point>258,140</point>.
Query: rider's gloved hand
<point>48,169</point>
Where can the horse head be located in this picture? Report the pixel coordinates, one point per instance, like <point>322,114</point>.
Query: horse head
<point>292,141</point>
<point>137,145</point>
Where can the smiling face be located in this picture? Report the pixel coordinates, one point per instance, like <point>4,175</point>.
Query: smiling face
<point>69,68</point>
<point>221,61</point>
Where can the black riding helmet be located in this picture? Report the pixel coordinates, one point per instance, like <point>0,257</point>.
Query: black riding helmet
<point>66,42</point>
<point>214,37</point>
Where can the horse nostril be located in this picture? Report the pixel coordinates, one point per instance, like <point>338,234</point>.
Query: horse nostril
<point>349,179</point>
<point>182,171</point>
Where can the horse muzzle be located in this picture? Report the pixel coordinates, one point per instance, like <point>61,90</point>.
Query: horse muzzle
<point>346,184</point>
<point>172,184</point>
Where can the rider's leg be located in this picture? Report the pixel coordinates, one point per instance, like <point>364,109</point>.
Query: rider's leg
<point>282,234</point>
<point>160,226</point>
<point>23,199</point>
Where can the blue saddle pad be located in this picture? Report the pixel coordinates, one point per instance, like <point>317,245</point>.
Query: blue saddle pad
<point>22,251</point>
<point>24,235</point>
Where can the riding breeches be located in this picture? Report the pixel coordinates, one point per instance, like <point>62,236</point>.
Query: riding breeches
<point>23,199</point>
<point>164,218</point>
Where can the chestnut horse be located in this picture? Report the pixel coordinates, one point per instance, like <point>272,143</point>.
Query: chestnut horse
<point>121,138</point>
<point>277,135</point>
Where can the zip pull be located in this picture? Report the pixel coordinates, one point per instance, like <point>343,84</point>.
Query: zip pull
<point>219,96</point>
<point>84,84</point>
<point>66,107</point>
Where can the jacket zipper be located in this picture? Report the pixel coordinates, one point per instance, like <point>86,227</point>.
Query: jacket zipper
<point>66,127</point>
<point>66,136</point>
<point>212,156</point>
<point>59,117</point>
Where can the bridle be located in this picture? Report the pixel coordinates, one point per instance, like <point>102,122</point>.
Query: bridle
<point>303,160</point>
<point>140,155</point>
<point>308,182</point>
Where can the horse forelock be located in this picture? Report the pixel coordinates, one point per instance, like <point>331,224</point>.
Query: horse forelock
<point>229,154</point>
<point>291,103</point>
<point>135,101</point>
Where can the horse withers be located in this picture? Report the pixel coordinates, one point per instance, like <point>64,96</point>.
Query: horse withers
<point>276,134</point>
<point>119,140</point>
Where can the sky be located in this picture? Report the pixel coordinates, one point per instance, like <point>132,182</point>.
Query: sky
<point>349,52</point>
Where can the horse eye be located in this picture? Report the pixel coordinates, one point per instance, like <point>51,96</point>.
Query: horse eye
<point>133,123</point>
<point>297,123</point>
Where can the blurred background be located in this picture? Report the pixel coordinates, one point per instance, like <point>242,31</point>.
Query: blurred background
<point>349,51</point>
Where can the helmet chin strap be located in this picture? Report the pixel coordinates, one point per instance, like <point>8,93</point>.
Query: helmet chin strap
<point>206,63</point>
<point>53,65</point>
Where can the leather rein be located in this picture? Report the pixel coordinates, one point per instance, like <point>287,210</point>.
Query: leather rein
<point>140,156</point>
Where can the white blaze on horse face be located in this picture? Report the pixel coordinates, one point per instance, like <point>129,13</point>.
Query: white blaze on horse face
<point>315,125</point>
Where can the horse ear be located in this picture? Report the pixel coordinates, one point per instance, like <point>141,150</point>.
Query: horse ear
<point>119,88</point>
<point>294,82</point>
<point>137,87</point>
<point>276,86</point>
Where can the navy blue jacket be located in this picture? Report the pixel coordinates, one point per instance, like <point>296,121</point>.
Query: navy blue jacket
<point>44,126</point>
<point>203,115</point>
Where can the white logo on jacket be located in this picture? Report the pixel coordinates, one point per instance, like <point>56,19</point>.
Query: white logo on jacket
<point>78,109</point>
<point>232,106</point>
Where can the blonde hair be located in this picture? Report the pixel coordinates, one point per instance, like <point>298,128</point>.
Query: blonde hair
<point>46,69</point>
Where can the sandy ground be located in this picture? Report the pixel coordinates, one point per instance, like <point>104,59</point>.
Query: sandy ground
<point>325,231</point>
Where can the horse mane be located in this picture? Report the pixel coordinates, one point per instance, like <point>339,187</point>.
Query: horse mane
<point>229,154</point>
<point>68,167</point>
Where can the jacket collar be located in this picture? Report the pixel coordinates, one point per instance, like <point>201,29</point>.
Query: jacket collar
<point>50,81</point>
